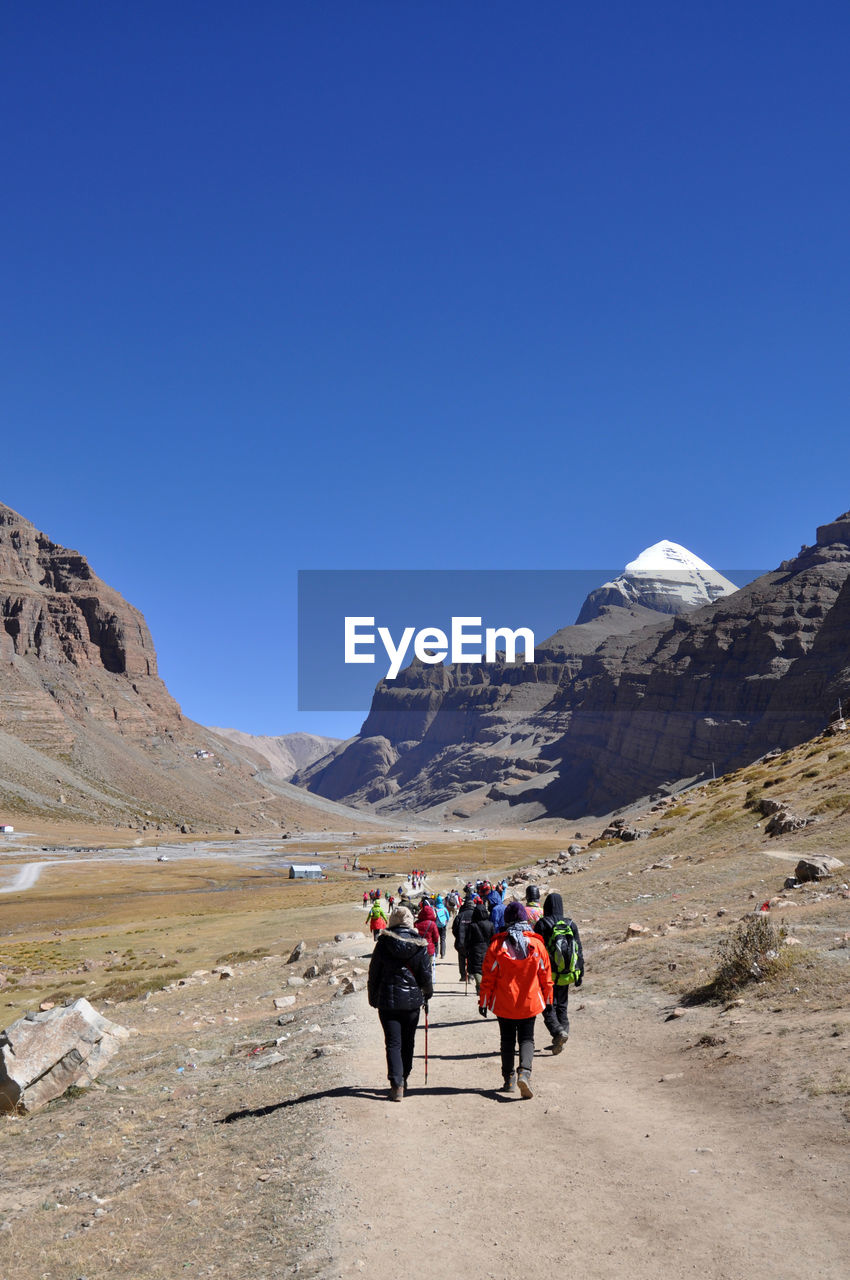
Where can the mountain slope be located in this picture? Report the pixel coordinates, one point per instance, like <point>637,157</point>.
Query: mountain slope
<point>88,730</point>
<point>613,708</point>
<point>284,754</point>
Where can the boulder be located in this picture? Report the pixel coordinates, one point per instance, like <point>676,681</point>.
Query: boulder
<point>297,952</point>
<point>43,1054</point>
<point>818,866</point>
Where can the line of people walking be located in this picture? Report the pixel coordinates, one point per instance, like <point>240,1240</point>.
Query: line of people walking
<point>522,958</point>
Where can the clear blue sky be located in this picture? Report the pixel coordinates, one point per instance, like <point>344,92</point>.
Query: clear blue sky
<point>430,285</point>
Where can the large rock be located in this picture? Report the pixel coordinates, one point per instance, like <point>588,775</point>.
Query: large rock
<point>817,867</point>
<point>43,1054</point>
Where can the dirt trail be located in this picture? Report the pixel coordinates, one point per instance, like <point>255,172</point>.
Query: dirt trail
<point>608,1167</point>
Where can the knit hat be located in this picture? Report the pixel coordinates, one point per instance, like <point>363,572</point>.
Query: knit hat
<point>401,917</point>
<point>514,912</point>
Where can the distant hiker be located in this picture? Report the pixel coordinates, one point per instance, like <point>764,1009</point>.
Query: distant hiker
<point>460,929</point>
<point>441,911</point>
<point>516,985</point>
<point>376,919</point>
<point>561,938</point>
<point>426,927</point>
<point>496,908</point>
<point>365,898</point>
<point>399,984</point>
<point>478,939</point>
<point>533,908</point>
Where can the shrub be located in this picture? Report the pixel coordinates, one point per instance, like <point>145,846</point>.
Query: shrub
<point>749,952</point>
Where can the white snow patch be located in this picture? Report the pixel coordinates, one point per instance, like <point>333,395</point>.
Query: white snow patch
<point>666,557</point>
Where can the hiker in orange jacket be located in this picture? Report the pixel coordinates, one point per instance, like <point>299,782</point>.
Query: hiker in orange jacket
<point>516,985</point>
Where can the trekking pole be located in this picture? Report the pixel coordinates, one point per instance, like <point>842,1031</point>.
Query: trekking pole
<point>426,1043</point>
<point>466,974</point>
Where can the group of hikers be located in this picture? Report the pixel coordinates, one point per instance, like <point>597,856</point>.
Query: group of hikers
<point>522,958</point>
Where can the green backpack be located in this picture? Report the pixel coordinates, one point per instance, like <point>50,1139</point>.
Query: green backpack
<point>563,953</point>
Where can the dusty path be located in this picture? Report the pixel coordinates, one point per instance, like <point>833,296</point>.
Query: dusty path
<point>608,1167</point>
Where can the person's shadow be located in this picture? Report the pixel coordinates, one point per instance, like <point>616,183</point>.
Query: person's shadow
<point>364,1092</point>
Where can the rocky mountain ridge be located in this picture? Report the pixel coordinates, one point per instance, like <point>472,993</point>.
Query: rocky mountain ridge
<point>88,730</point>
<point>613,708</point>
<point>281,754</point>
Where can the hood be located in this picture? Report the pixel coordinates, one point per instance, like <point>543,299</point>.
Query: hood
<point>427,912</point>
<point>401,944</point>
<point>494,897</point>
<point>553,906</point>
<point>480,913</point>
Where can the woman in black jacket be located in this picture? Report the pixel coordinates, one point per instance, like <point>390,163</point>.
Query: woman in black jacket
<point>478,938</point>
<point>399,985</point>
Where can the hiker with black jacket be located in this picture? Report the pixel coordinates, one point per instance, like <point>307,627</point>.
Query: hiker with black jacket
<point>554,927</point>
<point>399,985</point>
<point>478,938</point>
<point>460,929</point>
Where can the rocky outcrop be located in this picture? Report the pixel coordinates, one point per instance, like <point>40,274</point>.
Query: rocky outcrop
<point>43,1054</point>
<point>614,708</point>
<point>88,730</point>
<point>666,578</point>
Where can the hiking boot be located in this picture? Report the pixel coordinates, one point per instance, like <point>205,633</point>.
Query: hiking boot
<point>559,1041</point>
<point>396,1093</point>
<point>406,1087</point>
<point>524,1081</point>
<point>509,1085</point>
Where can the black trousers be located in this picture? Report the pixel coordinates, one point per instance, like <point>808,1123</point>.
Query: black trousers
<point>399,1034</point>
<point>515,1031</point>
<point>462,965</point>
<point>555,1014</point>
<point>441,929</point>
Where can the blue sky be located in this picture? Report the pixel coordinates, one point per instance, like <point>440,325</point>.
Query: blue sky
<point>395,285</point>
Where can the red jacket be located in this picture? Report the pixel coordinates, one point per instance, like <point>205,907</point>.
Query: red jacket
<point>515,986</point>
<point>426,927</point>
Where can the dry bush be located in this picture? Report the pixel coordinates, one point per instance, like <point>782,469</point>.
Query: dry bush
<point>751,951</point>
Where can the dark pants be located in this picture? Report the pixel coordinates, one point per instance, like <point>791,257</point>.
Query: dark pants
<point>513,1031</point>
<point>442,931</point>
<point>555,1014</point>
<point>399,1034</point>
<point>462,965</point>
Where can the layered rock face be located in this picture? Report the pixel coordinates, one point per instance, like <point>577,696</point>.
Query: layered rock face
<point>64,637</point>
<point>615,707</point>
<point>88,731</point>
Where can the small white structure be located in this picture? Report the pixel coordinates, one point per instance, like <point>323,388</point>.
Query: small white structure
<point>6,830</point>
<point>305,871</point>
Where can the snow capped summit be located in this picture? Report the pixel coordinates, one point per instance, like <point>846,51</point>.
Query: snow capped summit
<point>666,578</point>
<point>666,557</point>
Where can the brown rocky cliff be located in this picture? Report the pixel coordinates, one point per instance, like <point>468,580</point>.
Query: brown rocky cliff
<point>593,726</point>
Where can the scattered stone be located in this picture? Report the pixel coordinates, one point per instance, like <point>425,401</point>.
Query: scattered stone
<point>268,1060</point>
<point>45,1005</point>
<point>43,1054</point>
<point>678,1012</point>
<point>672,1075</point>
<point>636,930</point>
<point>286,1019</point>
<point>295,981</point>
<point>311,972</point>
<point>349,937</point>
<point>297,952</point>
<point>224,971</point>
<point>284,1002</point>
<point>347,987</point>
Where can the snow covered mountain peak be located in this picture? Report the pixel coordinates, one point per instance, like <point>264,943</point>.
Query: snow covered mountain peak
<point>666,557</point>
<point>666,578</point>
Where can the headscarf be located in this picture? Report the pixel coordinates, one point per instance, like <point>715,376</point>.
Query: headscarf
<point>553,906</point>
<point>401,918</point>
<point>517,924</point>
